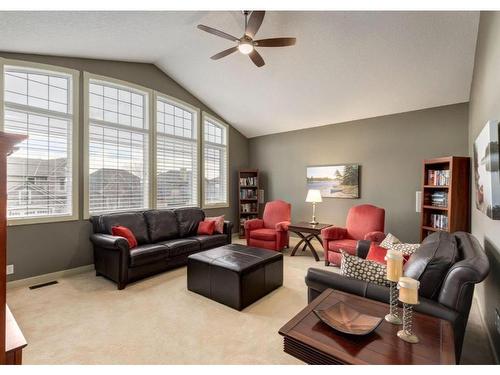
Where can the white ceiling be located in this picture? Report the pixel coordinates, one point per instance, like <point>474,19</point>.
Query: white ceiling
<point>345,65</point>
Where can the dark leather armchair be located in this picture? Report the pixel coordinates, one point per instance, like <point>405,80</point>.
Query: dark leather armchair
<point>447,297</point>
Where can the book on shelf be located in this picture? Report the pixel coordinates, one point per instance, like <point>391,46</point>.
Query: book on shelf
<point>438,177</point>
<point>244,219</point>
<point>248,181</point>
<point>439,221</point>
<point>248,207</point>
<point>439,199</point>
<point>248,194</point>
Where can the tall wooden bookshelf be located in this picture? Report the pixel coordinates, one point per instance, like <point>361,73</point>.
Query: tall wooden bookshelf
<point>248,197</point>
<point>445,195</point>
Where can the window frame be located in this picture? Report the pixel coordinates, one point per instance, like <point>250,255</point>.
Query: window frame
<point>207,116</point>
<point>197,123</point>
<point>148,110</point>
<point>75,129</point>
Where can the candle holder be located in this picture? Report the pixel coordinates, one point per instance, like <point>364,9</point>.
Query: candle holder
<point>408,294</point>
<point>394,260</point>
<point>406,333</point>
<point>393,316</point>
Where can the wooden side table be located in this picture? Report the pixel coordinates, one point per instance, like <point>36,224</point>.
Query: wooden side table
<point>311,232</point>
<point>312,341</point>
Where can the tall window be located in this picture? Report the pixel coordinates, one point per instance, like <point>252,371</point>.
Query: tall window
<point>214,162</point>
<point>176,155</point>
<point>118,147</point>
<point>39,103</point>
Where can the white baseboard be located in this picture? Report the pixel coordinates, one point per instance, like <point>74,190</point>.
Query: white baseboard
<point>483,322</point>
<point>40,279</point>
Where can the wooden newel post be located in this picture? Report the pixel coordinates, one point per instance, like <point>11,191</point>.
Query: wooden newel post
<point>7,143</point>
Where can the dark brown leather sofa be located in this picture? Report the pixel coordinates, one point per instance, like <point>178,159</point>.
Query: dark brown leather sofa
<point>165,240</point>
<point>447,265</point>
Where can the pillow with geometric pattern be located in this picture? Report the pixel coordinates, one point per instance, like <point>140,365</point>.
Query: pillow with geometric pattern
<point>406,248</point>
<point>391,242</point>
<point>362,269</point>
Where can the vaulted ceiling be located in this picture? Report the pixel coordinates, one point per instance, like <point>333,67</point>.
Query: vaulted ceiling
<point>345,65</point>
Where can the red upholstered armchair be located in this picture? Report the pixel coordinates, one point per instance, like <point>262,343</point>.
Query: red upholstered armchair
<point>364,222</point>
<point>270,232</point>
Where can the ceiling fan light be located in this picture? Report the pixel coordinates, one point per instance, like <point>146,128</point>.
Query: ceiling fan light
<point>245,48</point>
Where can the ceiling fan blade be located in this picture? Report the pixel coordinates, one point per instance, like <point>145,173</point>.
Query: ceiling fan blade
<point>254,22</point>
<point>256,58</point>
<point>224,53</point>
<point>276,42</point>
<point>222,34</point>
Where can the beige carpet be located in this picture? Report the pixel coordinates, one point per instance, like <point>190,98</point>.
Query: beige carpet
<point>85,320</point>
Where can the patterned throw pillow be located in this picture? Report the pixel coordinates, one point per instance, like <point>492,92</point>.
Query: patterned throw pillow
<point>392,242</point>
<point>362,269</point>
<point>389,240</point>
<point>406,248</point>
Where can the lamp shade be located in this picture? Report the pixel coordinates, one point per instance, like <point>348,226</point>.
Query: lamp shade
<point>314,195</point>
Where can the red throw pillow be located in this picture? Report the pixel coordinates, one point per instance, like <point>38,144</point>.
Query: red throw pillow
<point>126,233</point>
<point>219,223</point>
<point>206,227</point>
<point>376,253</point>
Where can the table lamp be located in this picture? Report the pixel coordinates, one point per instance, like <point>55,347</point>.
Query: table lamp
<point>313,196</point>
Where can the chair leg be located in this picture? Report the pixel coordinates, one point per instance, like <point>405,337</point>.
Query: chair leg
<point>327,263</point>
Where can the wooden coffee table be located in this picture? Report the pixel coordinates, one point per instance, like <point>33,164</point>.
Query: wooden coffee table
<point>312,232</point>
<point>312,341</point>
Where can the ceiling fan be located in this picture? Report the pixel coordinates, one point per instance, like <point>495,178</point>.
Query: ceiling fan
<point>246,44</point>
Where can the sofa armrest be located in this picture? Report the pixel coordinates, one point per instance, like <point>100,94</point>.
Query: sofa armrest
<point>333,233</point>
<point>362,248</point>
<point>228,230</point>
<point>254,224</point>
<point>228,227</point>
<point>376,236</point>
<point>110,242</point>
<point>282,226</point>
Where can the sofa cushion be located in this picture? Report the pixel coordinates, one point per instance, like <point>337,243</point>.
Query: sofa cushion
<point>188,220</point>
<point>263,234</point>
<point>181,246</point>
<point>209,242</point>
<point>148,253</point>
<point>134,221</point>
<point>430,264</point>
<point>162,225</point>
<point>348,246</point>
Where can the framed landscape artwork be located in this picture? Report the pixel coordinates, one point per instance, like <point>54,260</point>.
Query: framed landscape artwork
<point>334,181</point>
<point>486,168</point>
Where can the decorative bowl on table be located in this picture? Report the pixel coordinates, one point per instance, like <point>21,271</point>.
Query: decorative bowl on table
<point>346,319</point>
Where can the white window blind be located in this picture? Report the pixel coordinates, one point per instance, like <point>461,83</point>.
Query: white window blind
<point>215,163</point>
<point>118,148</point>
<point>176,155</point>
<point>39,104</point>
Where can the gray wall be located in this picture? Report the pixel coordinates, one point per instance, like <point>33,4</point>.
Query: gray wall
<point>389,149</point>
<point>484,106</point>
<point>42,248</point>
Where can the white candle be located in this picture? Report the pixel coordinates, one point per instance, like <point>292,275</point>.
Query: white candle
<point>408,290</point>
<point>394,259</point>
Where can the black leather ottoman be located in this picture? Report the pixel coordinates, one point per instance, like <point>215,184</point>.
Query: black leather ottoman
<point>235,275</point>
